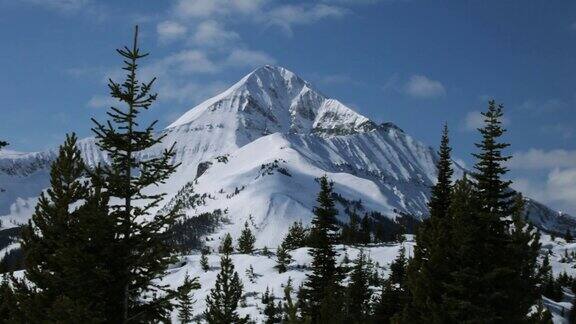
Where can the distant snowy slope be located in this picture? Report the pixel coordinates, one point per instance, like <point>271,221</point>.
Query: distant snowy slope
<point>255,151</point>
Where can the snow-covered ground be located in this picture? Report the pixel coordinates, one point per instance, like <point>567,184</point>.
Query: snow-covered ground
<point>267,276</point>
<point>382,255</point>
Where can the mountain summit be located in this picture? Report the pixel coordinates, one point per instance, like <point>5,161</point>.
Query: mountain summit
<point>253,153</point>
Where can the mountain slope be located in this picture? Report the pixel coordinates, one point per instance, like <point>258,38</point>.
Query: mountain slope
<point>255,150</point>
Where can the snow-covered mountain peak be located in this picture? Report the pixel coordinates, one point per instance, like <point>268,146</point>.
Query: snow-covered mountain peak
<point>273,99</point>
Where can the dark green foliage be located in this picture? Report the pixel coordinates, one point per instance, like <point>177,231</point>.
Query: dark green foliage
<point>226,245</point>
<point>541,315</point>
<point>568,236</point>
<point>430,267</point>
<point>321,297</point>
<point>283,259</point>
<point>185,301</point>
<point>297,237</point>
<point>395,295</point>
<point>351,231</point>
<point>289,308</point>
<point>187,233</point>
<point>140,239</point>
<point>8,303</point>
<point>223,300</point>
<point>493,275</point>
<point>272,311</point>
<point>549,287</point>
<point>357,307</point>
<point>3,144</point>
<point>13,260</point>
<point>246,240</point>
<point>67,248</point>
<point>204,259</point>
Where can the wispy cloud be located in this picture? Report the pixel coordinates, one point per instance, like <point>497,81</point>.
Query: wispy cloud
<point>287,16</point>
<point>475,120</point>
<point>61,5</point>
<point>420,86</point>
<point>169,30</point>
<point>536,159</point>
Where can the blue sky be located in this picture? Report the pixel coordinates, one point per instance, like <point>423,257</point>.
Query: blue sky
<point>416,63</point>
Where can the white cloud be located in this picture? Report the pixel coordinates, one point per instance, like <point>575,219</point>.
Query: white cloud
<point>211,8</point>
<point>546,106</point>
<point>420,86</point>
<point>61,5</point>
<point>212,33</point>
<point>557,190</point>
<point>243,57</point>
<point>101,102</point>
<point>536,159</point>
<point>288,15</point>
<point>475,120</point>
<point>169,30</point>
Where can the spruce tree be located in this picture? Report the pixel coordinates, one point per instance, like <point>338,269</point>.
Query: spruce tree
<point>226,245</point>
<point>204,259</point>
<point>358,292</point>
<point>493,269</point>
<point>297,237</point>
<point>321,293</point>
<point>142,248</point>
<point>289,308</point>
<point>185,301</point>
<point>67,248</point>
<point>222,302</point>
<point>394,296</point>
<point>429,269</point>
<point>283,259</point>
<point>271,310</point>
<point>246,240</point>
<point>364,234</point>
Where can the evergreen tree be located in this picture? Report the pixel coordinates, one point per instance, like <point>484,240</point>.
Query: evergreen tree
<point>493,269</point>
<point>283,259</point>
<point>246,240</point>
<point>568,236</point>
<point>3,144</point>
<point>8,303</point>
<point>142,250</point>
<point>395,295</point>
<point>226,245</point>
<point>67,248</point>
<point>271,310</point>
<point>430,268</point>
<point>185,301</point>
<point>351,231</point>
<point>204,259</point>
<point>364,233</point>
<point>296,237</point>
<point>321,292</point>
<point>289,308</point>
<point>358,292</point>
<point>223,300</point>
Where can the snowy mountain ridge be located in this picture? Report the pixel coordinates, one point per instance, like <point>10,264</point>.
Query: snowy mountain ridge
<point>255,151</point>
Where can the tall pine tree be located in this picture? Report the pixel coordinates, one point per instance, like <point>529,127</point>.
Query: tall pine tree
<point>246,240</point>
<point>223,300</point>
<point>430,267</point>
<point>67,248</point>
<point>321,293</point>
<point>141,248</point>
